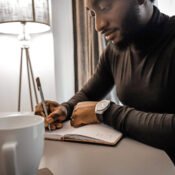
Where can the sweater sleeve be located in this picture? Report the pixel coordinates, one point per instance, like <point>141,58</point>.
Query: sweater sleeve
<point>155,129</point>
<point>98,86</point>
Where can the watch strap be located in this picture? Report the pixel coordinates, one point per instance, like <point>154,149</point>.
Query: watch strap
<point>100,117</point>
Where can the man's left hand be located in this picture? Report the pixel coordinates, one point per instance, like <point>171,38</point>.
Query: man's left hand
<point>84,113</point>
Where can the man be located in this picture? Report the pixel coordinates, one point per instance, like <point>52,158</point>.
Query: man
<point>140,61</point>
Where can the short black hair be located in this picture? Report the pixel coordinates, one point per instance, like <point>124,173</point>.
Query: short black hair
<point>152,0</point>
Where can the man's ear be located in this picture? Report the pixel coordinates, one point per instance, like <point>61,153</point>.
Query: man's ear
<point>140,2</point>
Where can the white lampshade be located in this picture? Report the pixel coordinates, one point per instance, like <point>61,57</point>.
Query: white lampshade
<point>34,13</point>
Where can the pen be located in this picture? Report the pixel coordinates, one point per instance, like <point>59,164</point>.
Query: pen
<point>42,99</point>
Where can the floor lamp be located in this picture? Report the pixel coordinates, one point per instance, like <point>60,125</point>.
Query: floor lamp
<point>25,17</point>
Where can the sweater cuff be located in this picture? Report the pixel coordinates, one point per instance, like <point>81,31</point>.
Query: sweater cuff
<point>113,118</point>
<point>69,108</point>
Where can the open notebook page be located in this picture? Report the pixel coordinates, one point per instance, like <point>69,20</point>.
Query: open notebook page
<point>96,131</point>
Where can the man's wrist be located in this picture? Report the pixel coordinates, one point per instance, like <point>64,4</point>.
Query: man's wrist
<point>64,109</point>
<point>99,117</point>
<point>100,108</point>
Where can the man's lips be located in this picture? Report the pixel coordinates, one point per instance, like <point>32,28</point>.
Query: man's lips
<point>110,35</point>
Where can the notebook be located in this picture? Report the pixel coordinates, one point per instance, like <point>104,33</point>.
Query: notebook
<point>93,133</point>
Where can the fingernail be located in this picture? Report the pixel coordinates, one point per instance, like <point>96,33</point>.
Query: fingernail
<point>49,120</point>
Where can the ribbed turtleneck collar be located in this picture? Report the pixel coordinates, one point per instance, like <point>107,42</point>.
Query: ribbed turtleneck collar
<point>148,33</point>
<point>154,26</point>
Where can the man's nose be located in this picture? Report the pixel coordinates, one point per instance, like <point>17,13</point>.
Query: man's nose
<point>100,23</point>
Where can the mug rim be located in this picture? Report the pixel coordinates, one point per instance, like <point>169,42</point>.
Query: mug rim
<point>37,120</point>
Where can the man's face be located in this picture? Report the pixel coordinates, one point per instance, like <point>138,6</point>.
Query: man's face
<point>116,19</point>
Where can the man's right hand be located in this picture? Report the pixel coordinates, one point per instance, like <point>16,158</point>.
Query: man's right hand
<point>56,114</point>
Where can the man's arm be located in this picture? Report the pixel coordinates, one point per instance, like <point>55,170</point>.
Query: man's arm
<point>98,86</point>
<point>154,129</point>
<point>151,128</point>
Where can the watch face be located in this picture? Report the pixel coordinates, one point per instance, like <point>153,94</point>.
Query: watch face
<point>102,105</point>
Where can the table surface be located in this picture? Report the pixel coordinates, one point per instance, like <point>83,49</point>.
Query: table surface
<point>128,157</point>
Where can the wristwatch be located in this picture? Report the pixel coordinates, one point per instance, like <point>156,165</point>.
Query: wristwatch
<point>101,107</point>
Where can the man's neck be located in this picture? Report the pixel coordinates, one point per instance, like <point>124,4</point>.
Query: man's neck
<point>146,12</point>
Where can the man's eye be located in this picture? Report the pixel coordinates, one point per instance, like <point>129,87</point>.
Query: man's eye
<point>92,13</point>
<point>104,8</point>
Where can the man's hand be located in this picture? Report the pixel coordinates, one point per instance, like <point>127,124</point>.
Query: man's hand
<point>84,113</point>
<point>56,114</point>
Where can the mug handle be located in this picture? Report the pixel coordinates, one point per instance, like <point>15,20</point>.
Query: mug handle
<point>10,158</point>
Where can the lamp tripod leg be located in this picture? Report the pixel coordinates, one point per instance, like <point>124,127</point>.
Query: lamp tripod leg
<point>29,81</point>
<point>20,81</point>
<point>32,75</point>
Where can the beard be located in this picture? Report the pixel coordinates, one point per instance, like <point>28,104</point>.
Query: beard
<point>131,25</point>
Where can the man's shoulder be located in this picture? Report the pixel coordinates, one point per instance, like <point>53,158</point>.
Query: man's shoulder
<point>169,29</point>
<point>172,21</point>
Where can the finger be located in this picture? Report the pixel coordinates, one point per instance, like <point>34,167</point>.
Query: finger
<point>53,126</point>
<point>46,123</point>
<point>41,113</point>
<point>49,120</point>
<point>57,115</point>
<point>61,118</point>
<point>54,103</point>
<point>51,105</point>
<point>38,110</point>
<point>72,118</point>
<point>53,108</point>
<point>55,118</point>
<point>59,125</point>
<point>74,122</point>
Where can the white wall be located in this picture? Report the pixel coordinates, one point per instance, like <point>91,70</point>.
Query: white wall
<point>167,6</point>
<point>41,54</point>
<point>55,68</point>
<point>63,47</point>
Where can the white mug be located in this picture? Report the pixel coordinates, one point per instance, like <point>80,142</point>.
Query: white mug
<point>21,144</point>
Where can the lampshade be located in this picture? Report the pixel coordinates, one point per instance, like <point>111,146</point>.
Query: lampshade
<point>34,13</point>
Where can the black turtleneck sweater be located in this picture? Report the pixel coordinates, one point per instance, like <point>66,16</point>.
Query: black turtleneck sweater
<point>144,74</point>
